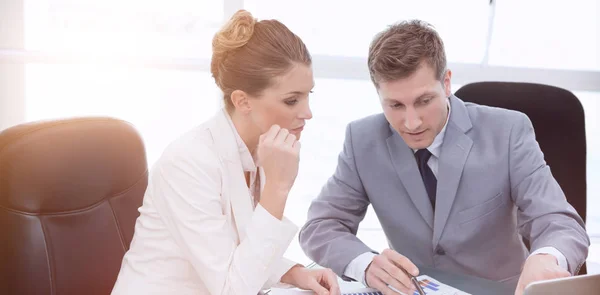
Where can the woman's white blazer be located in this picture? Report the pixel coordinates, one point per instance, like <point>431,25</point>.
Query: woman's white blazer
<point>198,231</point>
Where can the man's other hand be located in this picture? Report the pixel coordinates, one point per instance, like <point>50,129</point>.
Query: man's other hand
<point>537,268</point>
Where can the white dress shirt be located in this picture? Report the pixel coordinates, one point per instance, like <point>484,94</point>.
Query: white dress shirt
<point>249,165</point>
<point>357,267</point>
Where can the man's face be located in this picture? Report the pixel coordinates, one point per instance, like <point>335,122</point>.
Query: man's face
<point>417,106</point>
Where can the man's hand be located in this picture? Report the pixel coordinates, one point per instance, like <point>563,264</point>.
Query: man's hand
<point>387,269</point>
<point>321,281</point>
<point>539,267</point>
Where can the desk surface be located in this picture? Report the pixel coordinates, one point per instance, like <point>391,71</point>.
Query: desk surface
<point>469,284</point>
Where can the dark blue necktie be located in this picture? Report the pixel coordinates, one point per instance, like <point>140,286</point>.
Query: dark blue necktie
<point>428,177</point>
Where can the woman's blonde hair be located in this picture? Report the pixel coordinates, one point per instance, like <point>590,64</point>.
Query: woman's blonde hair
<point>248,54</point>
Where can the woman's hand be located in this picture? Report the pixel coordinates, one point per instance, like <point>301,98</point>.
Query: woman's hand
<point>278,153</point>
<point>321,281</point>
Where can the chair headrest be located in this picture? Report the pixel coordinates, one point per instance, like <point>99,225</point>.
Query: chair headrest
<point>530,98</point>
<point>67,165</point>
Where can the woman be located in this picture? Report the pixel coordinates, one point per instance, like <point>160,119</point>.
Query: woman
<point>211,221</point>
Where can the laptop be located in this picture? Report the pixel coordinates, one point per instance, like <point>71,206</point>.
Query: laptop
<point>581,285</point>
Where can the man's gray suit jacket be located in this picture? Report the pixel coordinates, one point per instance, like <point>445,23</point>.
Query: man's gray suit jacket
<point>493,189</point>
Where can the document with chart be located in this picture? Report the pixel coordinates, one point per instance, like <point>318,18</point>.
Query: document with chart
<point>429,285</point>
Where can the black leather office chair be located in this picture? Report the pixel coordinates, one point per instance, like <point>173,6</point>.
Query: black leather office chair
<point>69,194</point>
<point>559,123</point>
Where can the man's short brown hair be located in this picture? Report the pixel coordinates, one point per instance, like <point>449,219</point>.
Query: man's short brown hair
<point>397,52</point>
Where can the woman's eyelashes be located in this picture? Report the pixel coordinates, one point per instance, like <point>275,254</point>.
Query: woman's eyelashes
<point>294,99</point>
<point>291,101</point>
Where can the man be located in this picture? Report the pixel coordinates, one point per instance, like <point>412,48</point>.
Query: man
<point>455,185</point>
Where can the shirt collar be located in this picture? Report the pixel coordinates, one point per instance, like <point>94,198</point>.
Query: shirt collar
<point>245,156</point>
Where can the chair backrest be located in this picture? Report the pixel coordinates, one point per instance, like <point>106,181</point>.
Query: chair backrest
<point>69,197</point>
<point>559,122</point>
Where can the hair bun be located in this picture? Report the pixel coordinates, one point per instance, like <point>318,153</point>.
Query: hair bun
<point>235,33</point>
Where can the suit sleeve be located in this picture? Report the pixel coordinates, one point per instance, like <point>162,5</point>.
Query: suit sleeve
<point>187,194</point>
<point>544,216</point>
<point>329,235</point>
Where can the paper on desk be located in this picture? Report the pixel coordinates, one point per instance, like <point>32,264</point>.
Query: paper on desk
<point>430,285</point>
<point>289,292</point>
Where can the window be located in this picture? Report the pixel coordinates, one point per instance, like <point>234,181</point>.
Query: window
<point>180,28</point>
<point>345,28</point>
<point>161,104</point>
<point>547,34</point>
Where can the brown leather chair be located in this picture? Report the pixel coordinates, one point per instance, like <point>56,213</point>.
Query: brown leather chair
<point>69,194</point>
<point>559,122</point>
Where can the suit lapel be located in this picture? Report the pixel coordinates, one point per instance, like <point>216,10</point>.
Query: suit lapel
<point>234,182</point>
<point>453,156</point>
<point>404,163</point>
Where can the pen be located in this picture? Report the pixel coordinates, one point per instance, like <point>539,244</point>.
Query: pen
<point>417,285</point>
<point>415,282</point>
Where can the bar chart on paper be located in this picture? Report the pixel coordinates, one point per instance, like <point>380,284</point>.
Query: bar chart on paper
<point>428,284</point>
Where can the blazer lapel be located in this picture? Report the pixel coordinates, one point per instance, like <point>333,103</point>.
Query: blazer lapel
<point>453,156</point>
<point>234,182</point>
<point>241,201</point>
<point>403,160</point>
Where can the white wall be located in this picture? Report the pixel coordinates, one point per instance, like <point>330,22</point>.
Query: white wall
<point>12,73</point>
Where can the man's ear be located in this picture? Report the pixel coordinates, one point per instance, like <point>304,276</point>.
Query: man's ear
<point>240,101</point>
<point>448,83</point>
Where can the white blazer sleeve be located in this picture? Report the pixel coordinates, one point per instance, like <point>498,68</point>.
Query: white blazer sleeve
<point>278,270</point>
<point>187,193</point>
